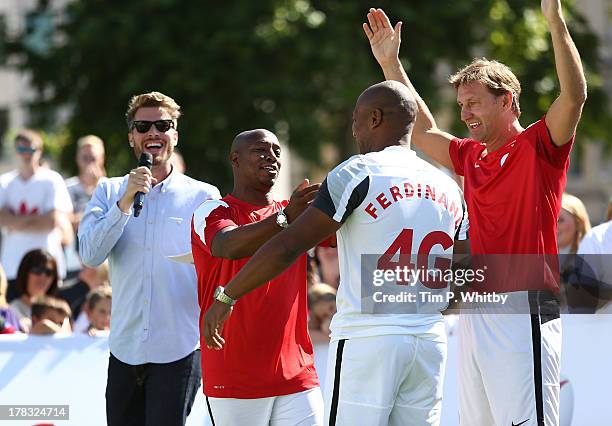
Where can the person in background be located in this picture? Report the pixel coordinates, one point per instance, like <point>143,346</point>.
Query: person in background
<point>34,203</point>
<point>9,322</point>
<point>37,276</point>
<point>90,161</point>
<point>572,226</point>
<point>329,268</point>
<point>98,309</point>
<point>89,279</point>
<point>321,309</point>
<point>595,253</point>
<point>50,315</point>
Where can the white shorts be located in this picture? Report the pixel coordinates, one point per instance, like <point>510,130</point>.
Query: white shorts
<point>509,366</point>
<point>385,380</point>
<point>296,409</point>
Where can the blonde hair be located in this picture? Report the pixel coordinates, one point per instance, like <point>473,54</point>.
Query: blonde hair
<point>90,140</point>
<point>576,208</point>
<point>320,291</point>
<point>102,273</point>
<point>152,99</point>
<point>97,294</point>
<point>494,75</point>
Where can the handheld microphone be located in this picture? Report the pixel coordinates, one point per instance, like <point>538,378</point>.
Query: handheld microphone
<point>146,160</point>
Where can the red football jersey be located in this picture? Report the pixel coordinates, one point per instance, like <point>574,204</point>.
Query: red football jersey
<point>268,351</point>
<point>514,195</point>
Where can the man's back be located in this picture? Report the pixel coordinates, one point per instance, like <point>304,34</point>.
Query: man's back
<point>392,203</point>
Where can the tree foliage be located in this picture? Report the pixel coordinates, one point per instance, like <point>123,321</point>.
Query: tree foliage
<point>293,66</point>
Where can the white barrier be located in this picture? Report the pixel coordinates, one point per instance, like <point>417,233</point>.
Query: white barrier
<point>72,371</point>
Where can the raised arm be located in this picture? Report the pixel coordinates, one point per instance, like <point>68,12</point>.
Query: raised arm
<point>564,114</point>
<point>242,241</point>
<point>310,228</point>
<point>385,43</point>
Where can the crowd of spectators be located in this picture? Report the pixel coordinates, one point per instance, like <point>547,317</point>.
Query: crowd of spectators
<point>44,289</point>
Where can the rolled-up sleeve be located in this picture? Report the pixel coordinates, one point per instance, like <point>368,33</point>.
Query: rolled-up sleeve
<point>101,227</point>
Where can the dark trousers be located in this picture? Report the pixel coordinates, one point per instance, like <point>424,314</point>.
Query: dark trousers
<point>152,394</point>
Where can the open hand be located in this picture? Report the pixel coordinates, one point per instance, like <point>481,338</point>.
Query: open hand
<point>212,324</point>
<point>384,39</point>
<point>301,198</point>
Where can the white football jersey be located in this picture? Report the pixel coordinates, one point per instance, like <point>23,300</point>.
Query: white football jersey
<point>393,206</point>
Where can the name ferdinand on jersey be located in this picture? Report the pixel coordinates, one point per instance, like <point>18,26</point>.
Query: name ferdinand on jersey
<point>408,191</point>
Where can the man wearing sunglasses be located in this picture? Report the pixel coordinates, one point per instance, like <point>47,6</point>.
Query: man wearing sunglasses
<point>154,368</point>
<point>34,203</point>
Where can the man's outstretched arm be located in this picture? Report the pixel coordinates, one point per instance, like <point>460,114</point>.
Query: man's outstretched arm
<point>385,43</point>
<point>242,241</point>
<point>309,229</point>
<point>563,115</point>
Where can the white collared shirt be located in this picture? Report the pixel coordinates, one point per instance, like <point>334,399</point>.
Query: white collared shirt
<point>155,300</point>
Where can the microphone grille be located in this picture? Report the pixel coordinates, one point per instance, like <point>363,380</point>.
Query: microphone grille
<point>146,159</point>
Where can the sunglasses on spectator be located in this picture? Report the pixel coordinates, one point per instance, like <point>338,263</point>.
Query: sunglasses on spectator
<point>22,149</point>
<point>143,126</point>
<point>39,270</point>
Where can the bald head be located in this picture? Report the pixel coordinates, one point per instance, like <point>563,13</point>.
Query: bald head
<point>393,99</point>
<point>247,137</point>
<point>384,116</point>
<point>255,159</point>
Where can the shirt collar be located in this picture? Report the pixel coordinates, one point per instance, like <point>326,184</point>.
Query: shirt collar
<point>165,184</point>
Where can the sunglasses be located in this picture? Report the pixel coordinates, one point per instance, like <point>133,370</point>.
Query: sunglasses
<point>39,270</point>
<point>143,126</point>
<point>22,149</point>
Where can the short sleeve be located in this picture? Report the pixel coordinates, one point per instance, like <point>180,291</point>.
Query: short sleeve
<point>458,149</point>
<point>210,218</point>
<point>557,156</point>
<point>344,189</point>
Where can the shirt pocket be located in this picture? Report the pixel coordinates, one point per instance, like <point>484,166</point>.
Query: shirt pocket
<point>176,238</point>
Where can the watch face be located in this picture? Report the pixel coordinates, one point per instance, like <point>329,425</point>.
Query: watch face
<point>218,291</point>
